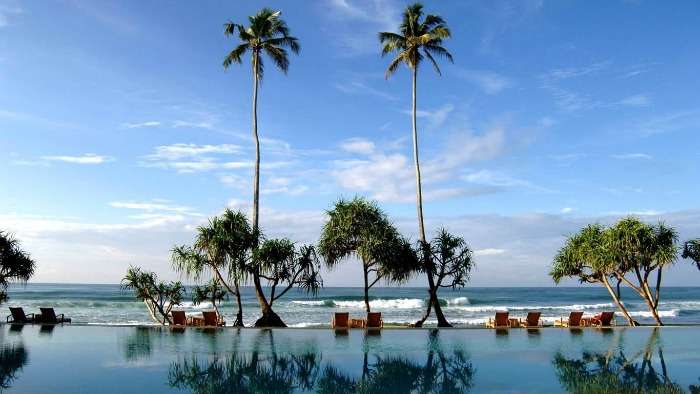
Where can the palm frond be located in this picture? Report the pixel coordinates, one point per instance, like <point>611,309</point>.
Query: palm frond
<point>278,56</point>
<point>434,63</point>
<point>235,55</point>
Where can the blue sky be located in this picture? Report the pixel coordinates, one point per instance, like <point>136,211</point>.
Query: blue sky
<point>120,132</point>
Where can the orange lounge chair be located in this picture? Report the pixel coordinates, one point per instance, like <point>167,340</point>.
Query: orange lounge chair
<point>18,316</point>
<point>574,320</point>
<point>212,319</point>
<point>180,318</point>
<point>532,320</point>
<point>48,315</point>
<point>374,320</point>
<point>341,320</point>
<point>499,321</point>
<point>604,319</point>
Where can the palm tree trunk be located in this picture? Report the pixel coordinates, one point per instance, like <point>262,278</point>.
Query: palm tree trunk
<point>442,321</point>
<point>239,304</point>
<point>619,304</point>
<point>269,317</point>
<point>364,269</point>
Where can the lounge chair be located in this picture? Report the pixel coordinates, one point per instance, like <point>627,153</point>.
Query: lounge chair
<point>574,320</point>
<point>604,319</point>
<point>180,319</point>
<point>212,319</point>
<point>500,320</point>
<point>18,317</point>
<point>374,320</point>
<point>532,320</point>
<point>48,315</point>
<point>341,320</point>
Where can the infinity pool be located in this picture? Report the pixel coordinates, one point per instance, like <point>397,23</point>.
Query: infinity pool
<point>102,359</point>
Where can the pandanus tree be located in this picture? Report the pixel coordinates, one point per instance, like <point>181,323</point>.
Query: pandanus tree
<point>419,38</point>
<point>360,229</point>
<point>641,251</point>
<point>266,34</point>
<point>584,257</point>
<point>159,297</point>
<point>691,250</point>
<point>220,251</point>
<point>631,253</point>
<point>211,292</point>
<point>16,265</point>
<point>450,262</point>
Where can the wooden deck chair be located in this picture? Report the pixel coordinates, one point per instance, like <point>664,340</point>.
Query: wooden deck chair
<point>48,315</point>
<point>180,318</point>
<point>574,320</point>
<point>212,319</point>
<point>341,320</point>
<point>374,320</point>
<point>532,320</point>
<point>500,320</point>
<point>604,319</point>
<point>18,316</point>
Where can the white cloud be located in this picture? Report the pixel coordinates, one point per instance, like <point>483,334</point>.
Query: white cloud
<point>150,123</point>
<point>180,150</point>
<point>359,87</point>
<point>436,117</point>
<point>489,252</point>
<point>88,158</point>
<point>566,210</point>
<point>489,82</point>
<point>196,125</point>
<point>152,206</point>
<point>631,156</point>
<point>353,24</point>
<point>637,100</point>
<point>358,145</point>
<point>492,178</point>
<point>8,10</point>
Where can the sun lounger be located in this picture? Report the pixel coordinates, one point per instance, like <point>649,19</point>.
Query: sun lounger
<point>604,319</point>
<point>48,315</point>
<point>180,319</point>
<point>499,321</point>
<point>374,320</point>
<point>574,320</point>
<point>340,320</point>
<point>212,319</point>
<point>17,316</point>
<point>532,320</point>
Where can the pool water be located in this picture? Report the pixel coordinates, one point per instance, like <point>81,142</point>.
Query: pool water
<point>112,359</point>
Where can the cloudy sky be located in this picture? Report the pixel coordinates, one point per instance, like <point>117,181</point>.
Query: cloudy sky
<point>120,132</point>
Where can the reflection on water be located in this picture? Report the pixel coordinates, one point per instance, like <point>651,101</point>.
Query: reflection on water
<point>163,360</point>
<point>266,371</point>
<point>616,372</point>
<point>12,360</point>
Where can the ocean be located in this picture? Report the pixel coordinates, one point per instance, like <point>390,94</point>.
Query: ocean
<point>470,306</point>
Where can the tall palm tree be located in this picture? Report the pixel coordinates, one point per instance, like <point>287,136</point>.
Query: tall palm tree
<point>268,34</point>
<point>418,38</point>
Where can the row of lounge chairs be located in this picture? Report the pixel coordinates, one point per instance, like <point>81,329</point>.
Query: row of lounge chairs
<point>47,316</point>
<point>208,319</point>
<point>576,319</point>
<point>342,320</point>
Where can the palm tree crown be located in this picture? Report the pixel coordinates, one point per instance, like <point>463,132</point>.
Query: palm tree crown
<point>418,38</point>
<point>267,33</point>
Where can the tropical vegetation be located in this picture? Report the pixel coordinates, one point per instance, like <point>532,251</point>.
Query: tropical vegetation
<point>359,229</point>
<point>419,38</point>
<point>691,250</point>
<point>629,253</point>
<point>450,260</point>
<point>159,297</point>
<point>220,251</point>
<point>16,265</point>
<point>266,34</point>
